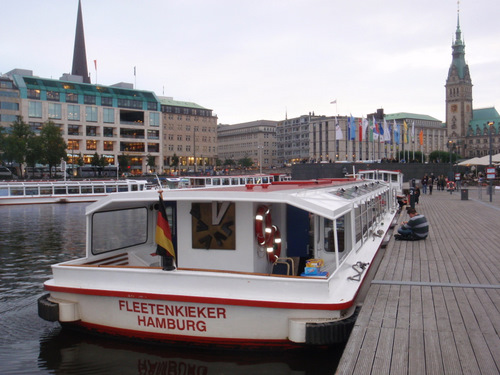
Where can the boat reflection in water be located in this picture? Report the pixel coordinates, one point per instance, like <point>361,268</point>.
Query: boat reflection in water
<point>64,352</point>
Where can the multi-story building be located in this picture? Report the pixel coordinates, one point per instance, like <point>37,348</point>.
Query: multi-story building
<point>255,140</point>
<point>10,102</point>
<point>107,120</point>
<point>189,136</point>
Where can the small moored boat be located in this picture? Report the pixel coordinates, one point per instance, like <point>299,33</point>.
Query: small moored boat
<point>276,265</point>
<point>44,191</point>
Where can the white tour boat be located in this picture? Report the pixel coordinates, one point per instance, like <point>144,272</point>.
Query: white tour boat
<point>276,265</point>
<point>45,191</point>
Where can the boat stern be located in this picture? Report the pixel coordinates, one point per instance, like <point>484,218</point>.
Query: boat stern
<point>57,310</point>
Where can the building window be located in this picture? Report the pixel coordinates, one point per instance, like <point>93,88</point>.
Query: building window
<point>9,106</point>
<point>91,114</point>
<point>73,129</point>
<point>106,101</point>
<point>108,146</point>
<point>73,112</point>
<point>71,97</point>
<point>55,111</point>
<point>91,131</point>
<point>35,109</point>
<point>33,94</point>
<point>154,119</point>
<point>152,106</point>
<point>108,132</point>
<point>89,99</point>
<point>91,145</point>
<point>108,115</point>
<point>53,95</point>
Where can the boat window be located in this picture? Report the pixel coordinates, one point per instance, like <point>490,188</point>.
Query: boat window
<point>249,180</point>
<point>16,191</point>
<point>47,190</point>
<point>225,181</point>
<point>216,181</point>
<point>86,189</point>
<point>358,222</point>
<point>31,190</point>
<point>234,181</point>
<point>265,180</point>
<point>60,190</point>
<point>242,181</point>
<point>98,189</point>
<point>4,191</point>
<point>73,190</point>
<point>125,187</point>
<point>341,233</point>
<point>112,230</point>
<point>329,236</point>
<point>110,188</point>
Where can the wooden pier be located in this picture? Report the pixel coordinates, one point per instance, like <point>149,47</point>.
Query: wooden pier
<point>433,306</point>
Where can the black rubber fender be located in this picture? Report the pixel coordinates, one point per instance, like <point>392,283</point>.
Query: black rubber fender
<point>48,310</point>
<point>330,333</point>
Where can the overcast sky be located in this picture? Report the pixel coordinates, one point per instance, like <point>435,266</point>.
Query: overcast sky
<point>262,59</point>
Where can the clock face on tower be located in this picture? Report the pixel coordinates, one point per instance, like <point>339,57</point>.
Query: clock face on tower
<point>454,107</point>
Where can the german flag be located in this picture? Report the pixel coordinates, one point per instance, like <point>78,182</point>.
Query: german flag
<point>163,236</point>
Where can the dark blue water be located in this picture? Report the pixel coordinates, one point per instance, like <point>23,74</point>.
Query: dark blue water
<point>32,237</point>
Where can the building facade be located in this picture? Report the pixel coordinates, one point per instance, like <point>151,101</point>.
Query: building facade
<point>189,137</point>
<point>255,140</point>
<point>107,120</point>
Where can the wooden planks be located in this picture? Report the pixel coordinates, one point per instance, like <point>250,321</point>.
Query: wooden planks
<point>434,305</point>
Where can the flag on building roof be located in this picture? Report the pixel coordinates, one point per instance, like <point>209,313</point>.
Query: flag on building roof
<point>163,237</point>
<point>421,137</point>
<point>405,132</point>
<point>352,129</point>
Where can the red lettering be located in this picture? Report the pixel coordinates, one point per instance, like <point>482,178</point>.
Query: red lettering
<point>221,313</point>
<point>160,309</point>
<point>144,308</point>
<point>169,310</point>
<point>211,312</point>
<point>171,323</point>
<point>201,312</point>
<point>135,306</point>
<point>201,326</point>
<point>190,325</point>
<point>179,311</point>
<point>160,323</point>
<point>121,303</point>
<point>141,320</point>
<point>191,312</point>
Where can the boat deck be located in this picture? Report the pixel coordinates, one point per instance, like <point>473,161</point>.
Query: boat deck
<point>434,306</point>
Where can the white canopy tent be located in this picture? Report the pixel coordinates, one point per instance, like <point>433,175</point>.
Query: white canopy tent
<point>485,160</point>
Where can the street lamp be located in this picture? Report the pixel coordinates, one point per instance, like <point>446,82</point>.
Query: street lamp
<point>490,124</point>
<point>450,149</point>
<point>260,157</point>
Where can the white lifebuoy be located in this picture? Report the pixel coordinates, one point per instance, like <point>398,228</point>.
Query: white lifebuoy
<point>267,234</point>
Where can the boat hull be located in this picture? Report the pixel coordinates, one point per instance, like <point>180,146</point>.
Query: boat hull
<point>198,324</point>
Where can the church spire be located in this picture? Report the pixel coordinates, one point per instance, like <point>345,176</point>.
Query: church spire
<point>79,54</point>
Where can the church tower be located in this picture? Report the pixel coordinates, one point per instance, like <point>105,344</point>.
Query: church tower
<point>458,95</point>
<point>79,54</point>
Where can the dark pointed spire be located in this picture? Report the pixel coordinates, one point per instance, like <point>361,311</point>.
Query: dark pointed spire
<point>79,53</point>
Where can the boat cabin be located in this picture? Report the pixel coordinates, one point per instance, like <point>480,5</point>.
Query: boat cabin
<point>245,228</point>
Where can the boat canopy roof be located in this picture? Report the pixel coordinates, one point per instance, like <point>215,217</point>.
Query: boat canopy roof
<point>330,199</point>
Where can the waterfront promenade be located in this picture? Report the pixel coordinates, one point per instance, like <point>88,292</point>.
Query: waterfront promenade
<point>433,306</point>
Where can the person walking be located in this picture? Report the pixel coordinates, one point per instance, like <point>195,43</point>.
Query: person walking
<point>425,181</point>
<point>430,183</point>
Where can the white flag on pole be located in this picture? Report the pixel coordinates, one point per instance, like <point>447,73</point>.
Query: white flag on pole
<point>338,131</point>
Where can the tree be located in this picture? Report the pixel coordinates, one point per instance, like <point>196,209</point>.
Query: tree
<point>124,161</point>
<point>53,146</point>
<point>15,144</point>
<point>96,162</point>
<point>245,162</point>
<point>229,162</point>
<point>33,152</point>
<point>151,162</point>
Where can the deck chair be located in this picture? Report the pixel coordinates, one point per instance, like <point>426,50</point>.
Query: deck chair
<point>283,266</point>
